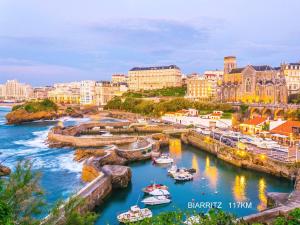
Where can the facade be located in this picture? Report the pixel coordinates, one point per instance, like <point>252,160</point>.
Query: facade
<point>199,88</point>
<point>253,126</point>
<point>119,78</point>
<point>148,78</point>
<point>250,84</point>
<point>291,73</point>
<point>65,93</point>
<point>106,90</point>
<point>87,92</point>
<point>41,92</point>
<point>15,91</point>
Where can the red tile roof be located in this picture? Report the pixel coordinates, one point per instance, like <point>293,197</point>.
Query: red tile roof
<point>286,128</point>
<point>255,121</point>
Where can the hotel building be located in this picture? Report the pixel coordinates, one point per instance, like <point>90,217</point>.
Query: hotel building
<point>249,84</point>
<point>291,72</point>
<point>87,92</point>
<point>15,91</point>
<point>41,92</point>
<point>119,78</point>
<point>148,78</point>
<point>106,90</point>
<point>65,93</point>
<point>201,89</point>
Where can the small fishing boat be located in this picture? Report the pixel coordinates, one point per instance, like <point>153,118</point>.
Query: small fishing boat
<point>156,200</point>
<point>159,192</point>
<point>134,214</point>
<point>153,187</point>
<point>164,159</point>
<point>183,176</point>
<point>174,170</point>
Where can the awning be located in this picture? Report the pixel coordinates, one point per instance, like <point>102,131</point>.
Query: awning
<point>279,135</point>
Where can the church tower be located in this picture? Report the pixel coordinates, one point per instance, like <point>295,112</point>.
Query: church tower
<point>229,64</point>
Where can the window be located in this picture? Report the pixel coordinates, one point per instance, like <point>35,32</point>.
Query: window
<point>248,85</point>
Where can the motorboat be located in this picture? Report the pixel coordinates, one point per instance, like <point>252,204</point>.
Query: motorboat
<point>174,170</point>
<point>159,192</point>
<point>164,159</point>
<point>183,176</point>
<point>156,200</point>
<point>134,214</point>
<point>153,187</point>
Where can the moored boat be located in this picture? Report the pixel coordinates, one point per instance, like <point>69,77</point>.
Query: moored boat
<point>134,214</point>
<point>183,176</point>
<point>159,192</point>
<point>153,187</point>
<point>163,159</point>
<point>156,200</point>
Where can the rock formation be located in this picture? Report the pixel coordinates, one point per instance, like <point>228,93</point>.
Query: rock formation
<point>4,170</point>
<point>22,116</point>
<point>121,175</point>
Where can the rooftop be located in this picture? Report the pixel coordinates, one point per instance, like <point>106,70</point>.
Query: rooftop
<point>285,128</point>
<point>255,121</point>
<point>155,68</point>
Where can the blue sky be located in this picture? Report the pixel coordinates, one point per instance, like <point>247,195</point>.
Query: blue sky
<point>48,41</point>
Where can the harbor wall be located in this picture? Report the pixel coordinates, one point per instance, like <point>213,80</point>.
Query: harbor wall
<point>246,160</point>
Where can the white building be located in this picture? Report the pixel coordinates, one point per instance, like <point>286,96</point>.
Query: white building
<point>15,91</point>
<point>87,92</point>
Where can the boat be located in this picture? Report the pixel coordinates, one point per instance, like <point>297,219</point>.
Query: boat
<point>159,192</point>
<point>183,176</point>
<point>134,214</point>
<point>153,187</point>
<point>164,159</point>
<point>174,170</point>
<point>281,149</point>
<point>156,200</point>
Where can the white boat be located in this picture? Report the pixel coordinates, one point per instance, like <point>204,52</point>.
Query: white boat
<point>281,149</point>
<point>183,176</point>
<point>164,159</point>
<point>156,200</point>
<point>159,192</point>
<point>134,214</point>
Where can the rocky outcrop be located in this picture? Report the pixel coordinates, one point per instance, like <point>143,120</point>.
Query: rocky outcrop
<point>22,116</point>
<point>4,170</point>
<point>81,154</point>
<point>112,158</point>
<point>121,175</point>
<point>89,173</point>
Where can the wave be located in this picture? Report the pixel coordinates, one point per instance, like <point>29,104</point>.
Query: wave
<point>38,142</point>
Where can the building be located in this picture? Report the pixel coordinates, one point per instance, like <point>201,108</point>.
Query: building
<point>119,78</point>
<point>41,92</point>
<point>106,90</point>
<point>15,91</point>
<point>214,75</point>
<point>261,84</point>
<point>253,126</point>
<point>87,92</point>
<point>148,78</point>
<point>65,93</point>
<point>291,72</point>
<point>288,132</point>
<point>200,89</point>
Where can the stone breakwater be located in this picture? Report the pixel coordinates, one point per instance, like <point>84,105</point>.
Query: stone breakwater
<point>281,203</point>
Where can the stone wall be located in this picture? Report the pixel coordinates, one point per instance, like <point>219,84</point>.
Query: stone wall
<point>55,139</point>
<point>250,161</point>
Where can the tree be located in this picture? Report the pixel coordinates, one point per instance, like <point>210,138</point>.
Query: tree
<point>22,201</point>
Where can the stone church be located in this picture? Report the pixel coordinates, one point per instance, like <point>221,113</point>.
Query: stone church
<point>252,84</point>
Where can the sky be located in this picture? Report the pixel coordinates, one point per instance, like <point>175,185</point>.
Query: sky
<point>43,42</point>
